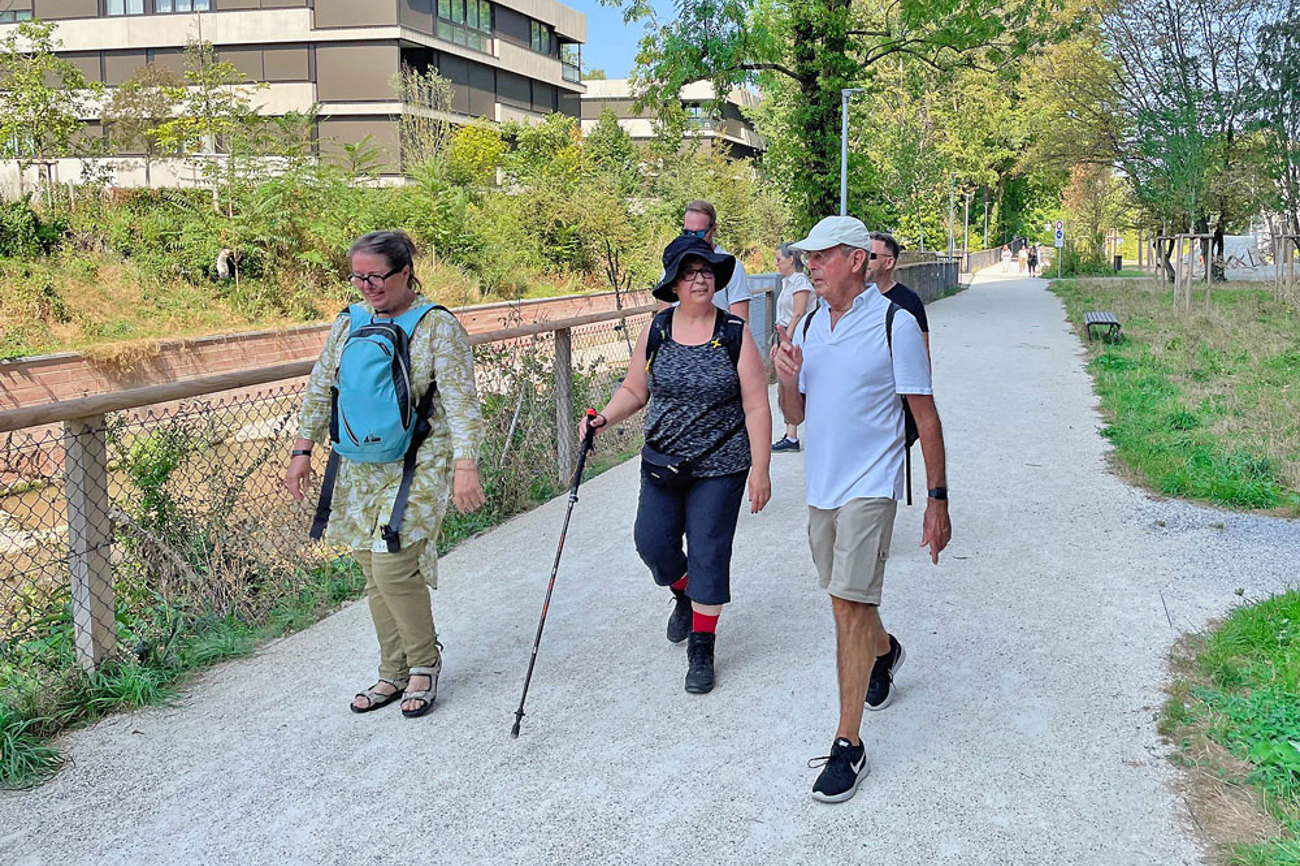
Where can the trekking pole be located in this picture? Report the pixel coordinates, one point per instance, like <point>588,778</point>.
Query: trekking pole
<point>564,530</point>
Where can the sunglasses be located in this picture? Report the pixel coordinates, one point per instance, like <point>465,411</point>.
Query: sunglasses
<point>695,233</point>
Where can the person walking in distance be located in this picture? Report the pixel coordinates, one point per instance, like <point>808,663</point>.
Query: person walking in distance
<point>880,270</point>
<point>795,298</point>
<point>843,375</point>
<point>706,431</point>
<point>701,221</point>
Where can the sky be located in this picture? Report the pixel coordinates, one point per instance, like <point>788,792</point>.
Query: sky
<point>611,45</point>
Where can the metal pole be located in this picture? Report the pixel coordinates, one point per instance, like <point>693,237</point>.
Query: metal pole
<point>952,214</point>
<point>986,218</point>
<point>844,153</point>
<point>965,235</point>
<point>844,147</point>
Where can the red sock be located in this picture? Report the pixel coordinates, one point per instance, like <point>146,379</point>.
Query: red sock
<point>680,585</point>
<point>703,622</point>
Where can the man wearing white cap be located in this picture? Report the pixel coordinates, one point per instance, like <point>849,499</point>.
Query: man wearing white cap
<point>843,376</point>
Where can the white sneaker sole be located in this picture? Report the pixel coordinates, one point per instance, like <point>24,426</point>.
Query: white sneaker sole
<point>847,795</point>
<point>889,698</point>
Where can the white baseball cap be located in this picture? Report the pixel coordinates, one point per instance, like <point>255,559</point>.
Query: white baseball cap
<point>833,231</point>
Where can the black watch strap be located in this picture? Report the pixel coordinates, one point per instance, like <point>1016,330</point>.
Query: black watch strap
<point>939,493</point>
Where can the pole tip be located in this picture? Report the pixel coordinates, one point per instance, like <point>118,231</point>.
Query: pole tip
<point>514,731</point>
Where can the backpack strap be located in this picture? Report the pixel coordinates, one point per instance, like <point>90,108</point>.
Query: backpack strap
<point>729,330</point>
<point>660,325</point>
<point>909,425</point>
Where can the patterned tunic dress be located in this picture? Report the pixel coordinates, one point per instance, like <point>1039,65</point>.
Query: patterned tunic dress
<point>364,492</point>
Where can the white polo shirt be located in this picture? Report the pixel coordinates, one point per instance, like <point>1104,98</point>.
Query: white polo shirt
<point>853,441</point>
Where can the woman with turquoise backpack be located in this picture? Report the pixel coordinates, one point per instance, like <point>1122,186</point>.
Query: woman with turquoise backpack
<point>393,393</point>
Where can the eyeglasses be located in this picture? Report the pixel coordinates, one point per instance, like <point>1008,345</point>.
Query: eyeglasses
<point>873,255</point>
<point>695,233</point>
<point>374,280</point>
<point>703,273</point>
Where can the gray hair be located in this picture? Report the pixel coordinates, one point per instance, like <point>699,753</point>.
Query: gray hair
<point>395,246</point>
<point>792,253</point>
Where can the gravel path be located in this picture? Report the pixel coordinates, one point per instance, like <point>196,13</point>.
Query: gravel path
<point>1024,730</point>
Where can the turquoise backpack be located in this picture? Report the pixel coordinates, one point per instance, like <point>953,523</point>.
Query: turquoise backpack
<point>374,416</point>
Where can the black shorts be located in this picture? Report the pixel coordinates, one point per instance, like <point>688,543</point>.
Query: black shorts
<point>704,513</point>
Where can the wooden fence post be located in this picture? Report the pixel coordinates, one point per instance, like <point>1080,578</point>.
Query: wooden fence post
<point>90,537</point>
<point>566,433</point>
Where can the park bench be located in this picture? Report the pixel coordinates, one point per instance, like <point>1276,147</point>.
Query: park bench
<point>1102,320</point>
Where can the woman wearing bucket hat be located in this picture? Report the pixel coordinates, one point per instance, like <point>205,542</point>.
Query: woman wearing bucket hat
<point>706,430</point>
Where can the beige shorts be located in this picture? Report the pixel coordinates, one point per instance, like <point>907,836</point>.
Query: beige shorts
<point>850,545</point>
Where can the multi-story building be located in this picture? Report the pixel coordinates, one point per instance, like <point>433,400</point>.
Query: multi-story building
<point>732,128</point>
<point>506,59</point>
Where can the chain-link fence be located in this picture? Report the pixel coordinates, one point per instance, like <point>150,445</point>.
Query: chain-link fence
<point>124,535</point>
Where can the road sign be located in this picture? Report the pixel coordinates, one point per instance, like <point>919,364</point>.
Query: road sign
<point>1060,237</point>
<point>1060,226</point>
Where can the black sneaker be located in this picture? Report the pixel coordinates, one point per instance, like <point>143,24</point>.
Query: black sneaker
<point>699,655</point>
<point>880,691</point>
<point>679,621</point>
<point>786,444</point>
<point>845,768</point>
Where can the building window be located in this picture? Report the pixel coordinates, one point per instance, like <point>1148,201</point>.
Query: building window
<point>541,37</point>
<point>11,15</point>
<point>466,22</point>
<point>182,5</point>
<point>124,7</point>
<point>571,62</point>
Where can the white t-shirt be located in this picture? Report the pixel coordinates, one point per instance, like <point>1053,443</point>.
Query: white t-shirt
<point>853,438</point>
<point>736,290</point>
<point>790,286</point>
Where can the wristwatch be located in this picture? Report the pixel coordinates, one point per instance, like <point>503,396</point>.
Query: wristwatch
<point>939,493</point>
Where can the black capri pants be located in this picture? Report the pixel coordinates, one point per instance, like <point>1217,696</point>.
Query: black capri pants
<point>705,512</point>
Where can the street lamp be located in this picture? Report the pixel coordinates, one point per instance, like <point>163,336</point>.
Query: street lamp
<point>844,147</point>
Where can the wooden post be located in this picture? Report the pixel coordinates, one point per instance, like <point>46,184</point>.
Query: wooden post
<point>90,537</point>
<point>566,433</point>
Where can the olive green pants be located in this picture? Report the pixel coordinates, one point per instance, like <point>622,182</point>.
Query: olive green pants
<point>401,610</point>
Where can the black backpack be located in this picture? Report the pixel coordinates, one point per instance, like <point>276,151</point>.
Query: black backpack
<point>728,331</point>
<point>910,432</point>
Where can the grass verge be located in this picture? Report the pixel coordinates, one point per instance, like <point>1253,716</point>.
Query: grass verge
<point>1204,406</point>
<point>43,692</point>
<point>1235,717</point>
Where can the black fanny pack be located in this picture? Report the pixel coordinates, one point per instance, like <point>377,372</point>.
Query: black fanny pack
<point>674,473</point>
<point>665,470</point>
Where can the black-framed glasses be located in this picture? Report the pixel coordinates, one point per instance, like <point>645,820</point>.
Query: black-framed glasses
<point>873,255</point>
<point>690,275</point>
<point>374,280</point>
<point>695,233</point>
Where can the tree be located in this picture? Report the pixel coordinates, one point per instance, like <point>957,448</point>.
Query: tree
<point>1275,94</point>
<point>596,74</point>
<point>424,131</point>
<point>821,47</point>
<point>135,111</point>
<point>213,108</point>
<point>1094,202</point>
<point>44,95</point>
<point>475,153</point>
<point>611,151</point>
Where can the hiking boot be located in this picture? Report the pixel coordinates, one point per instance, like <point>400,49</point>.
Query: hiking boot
<point>880,691</point>
<point>699,655</point>
<point>845,768</point>
<point>785,443</point>
<point>679,621</point>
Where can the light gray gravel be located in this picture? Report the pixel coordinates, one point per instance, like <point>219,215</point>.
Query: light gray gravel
<point>1024,730</point>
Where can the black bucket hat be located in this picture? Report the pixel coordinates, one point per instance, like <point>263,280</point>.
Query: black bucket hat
<point>724,264</point>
